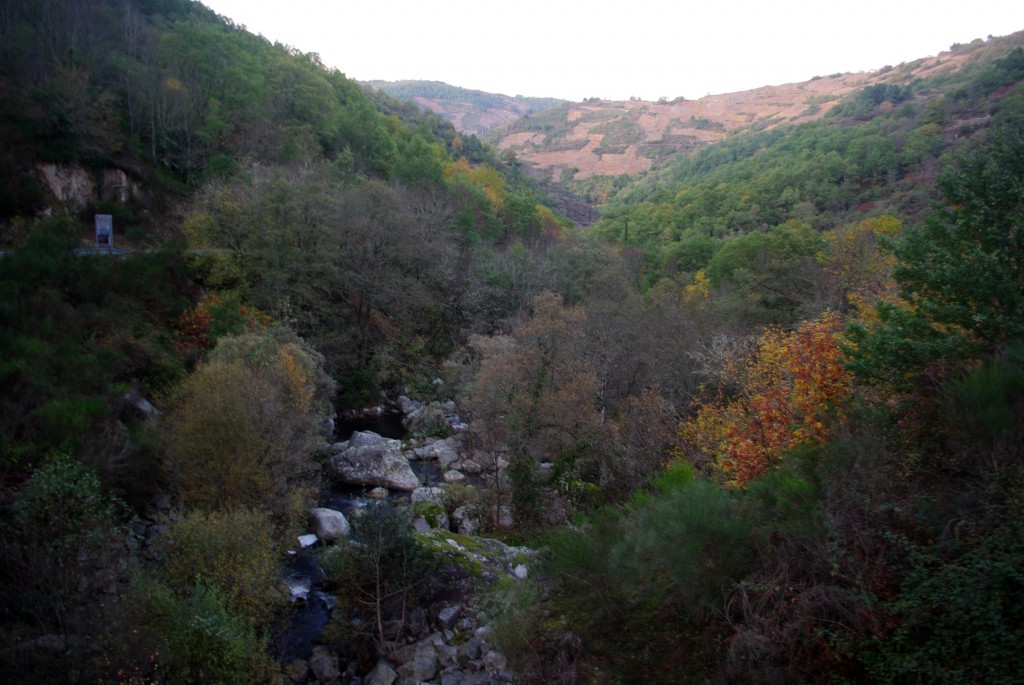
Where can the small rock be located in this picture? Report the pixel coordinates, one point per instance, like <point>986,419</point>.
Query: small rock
<point>378,493</point>
<point>431,494</point>
<point>419,669</point>
<point>446,617</point>
<point>365,439</point>
<point>420,525</point>
<point>408,406</point>
<point>505,519</point>
<point>494,661</point>
<point>465,520</point>
<point>417,621</point>
<point>520,572</point>
<point>471,467</point>
<point>446,655</point>
<point>382,674</point>
<point>469,650</point>
<point>454,476</point>
<point>327,427</point>
<point>297,671</point>
<point>140,405</point>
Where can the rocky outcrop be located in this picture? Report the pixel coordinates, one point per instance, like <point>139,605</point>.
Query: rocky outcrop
<point>434,418</point>
<point>76,188</point>
<point>457,652</point>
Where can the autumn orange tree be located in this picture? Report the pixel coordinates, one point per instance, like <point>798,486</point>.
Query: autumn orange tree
<point>788,388</point>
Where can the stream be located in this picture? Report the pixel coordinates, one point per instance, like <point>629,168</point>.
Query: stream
<point>311,607</point>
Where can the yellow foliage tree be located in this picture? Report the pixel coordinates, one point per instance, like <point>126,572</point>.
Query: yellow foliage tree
<point>485,178</point>
<point>857,268</point>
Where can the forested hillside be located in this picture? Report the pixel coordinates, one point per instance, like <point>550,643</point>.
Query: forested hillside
<point>761,423</point>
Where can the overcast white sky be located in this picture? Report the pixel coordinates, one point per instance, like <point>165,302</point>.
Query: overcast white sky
<point>575,49</point>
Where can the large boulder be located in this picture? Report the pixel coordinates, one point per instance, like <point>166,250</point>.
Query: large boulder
<point>370,460</point>
<point>330,525</point>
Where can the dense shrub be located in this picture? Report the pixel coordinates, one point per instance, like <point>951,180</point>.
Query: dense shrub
<point>60,546</point>
<point>185,637</point>
<point>242,425</point>
<point>231,552</point>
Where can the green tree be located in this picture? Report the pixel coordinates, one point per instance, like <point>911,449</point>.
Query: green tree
<point>383,572</point>
<point>961,273</point>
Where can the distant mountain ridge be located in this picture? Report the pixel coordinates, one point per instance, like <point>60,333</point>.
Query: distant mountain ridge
<point>577,141</point>
<point>470,111</point>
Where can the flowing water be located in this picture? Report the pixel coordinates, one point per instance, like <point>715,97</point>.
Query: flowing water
<point>312,607</point>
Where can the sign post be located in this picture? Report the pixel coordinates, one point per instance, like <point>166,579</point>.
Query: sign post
<point>105,231</point>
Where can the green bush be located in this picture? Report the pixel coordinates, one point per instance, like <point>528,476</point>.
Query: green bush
<point>232,552</point>
<point>61,544</point>
<point>640,584</point>
<point>190,637</point>
<point>961,620</point>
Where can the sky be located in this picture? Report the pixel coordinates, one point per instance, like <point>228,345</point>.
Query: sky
<point>576,49</point>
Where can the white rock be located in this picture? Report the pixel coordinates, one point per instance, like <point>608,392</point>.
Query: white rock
<point>454,476</point>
